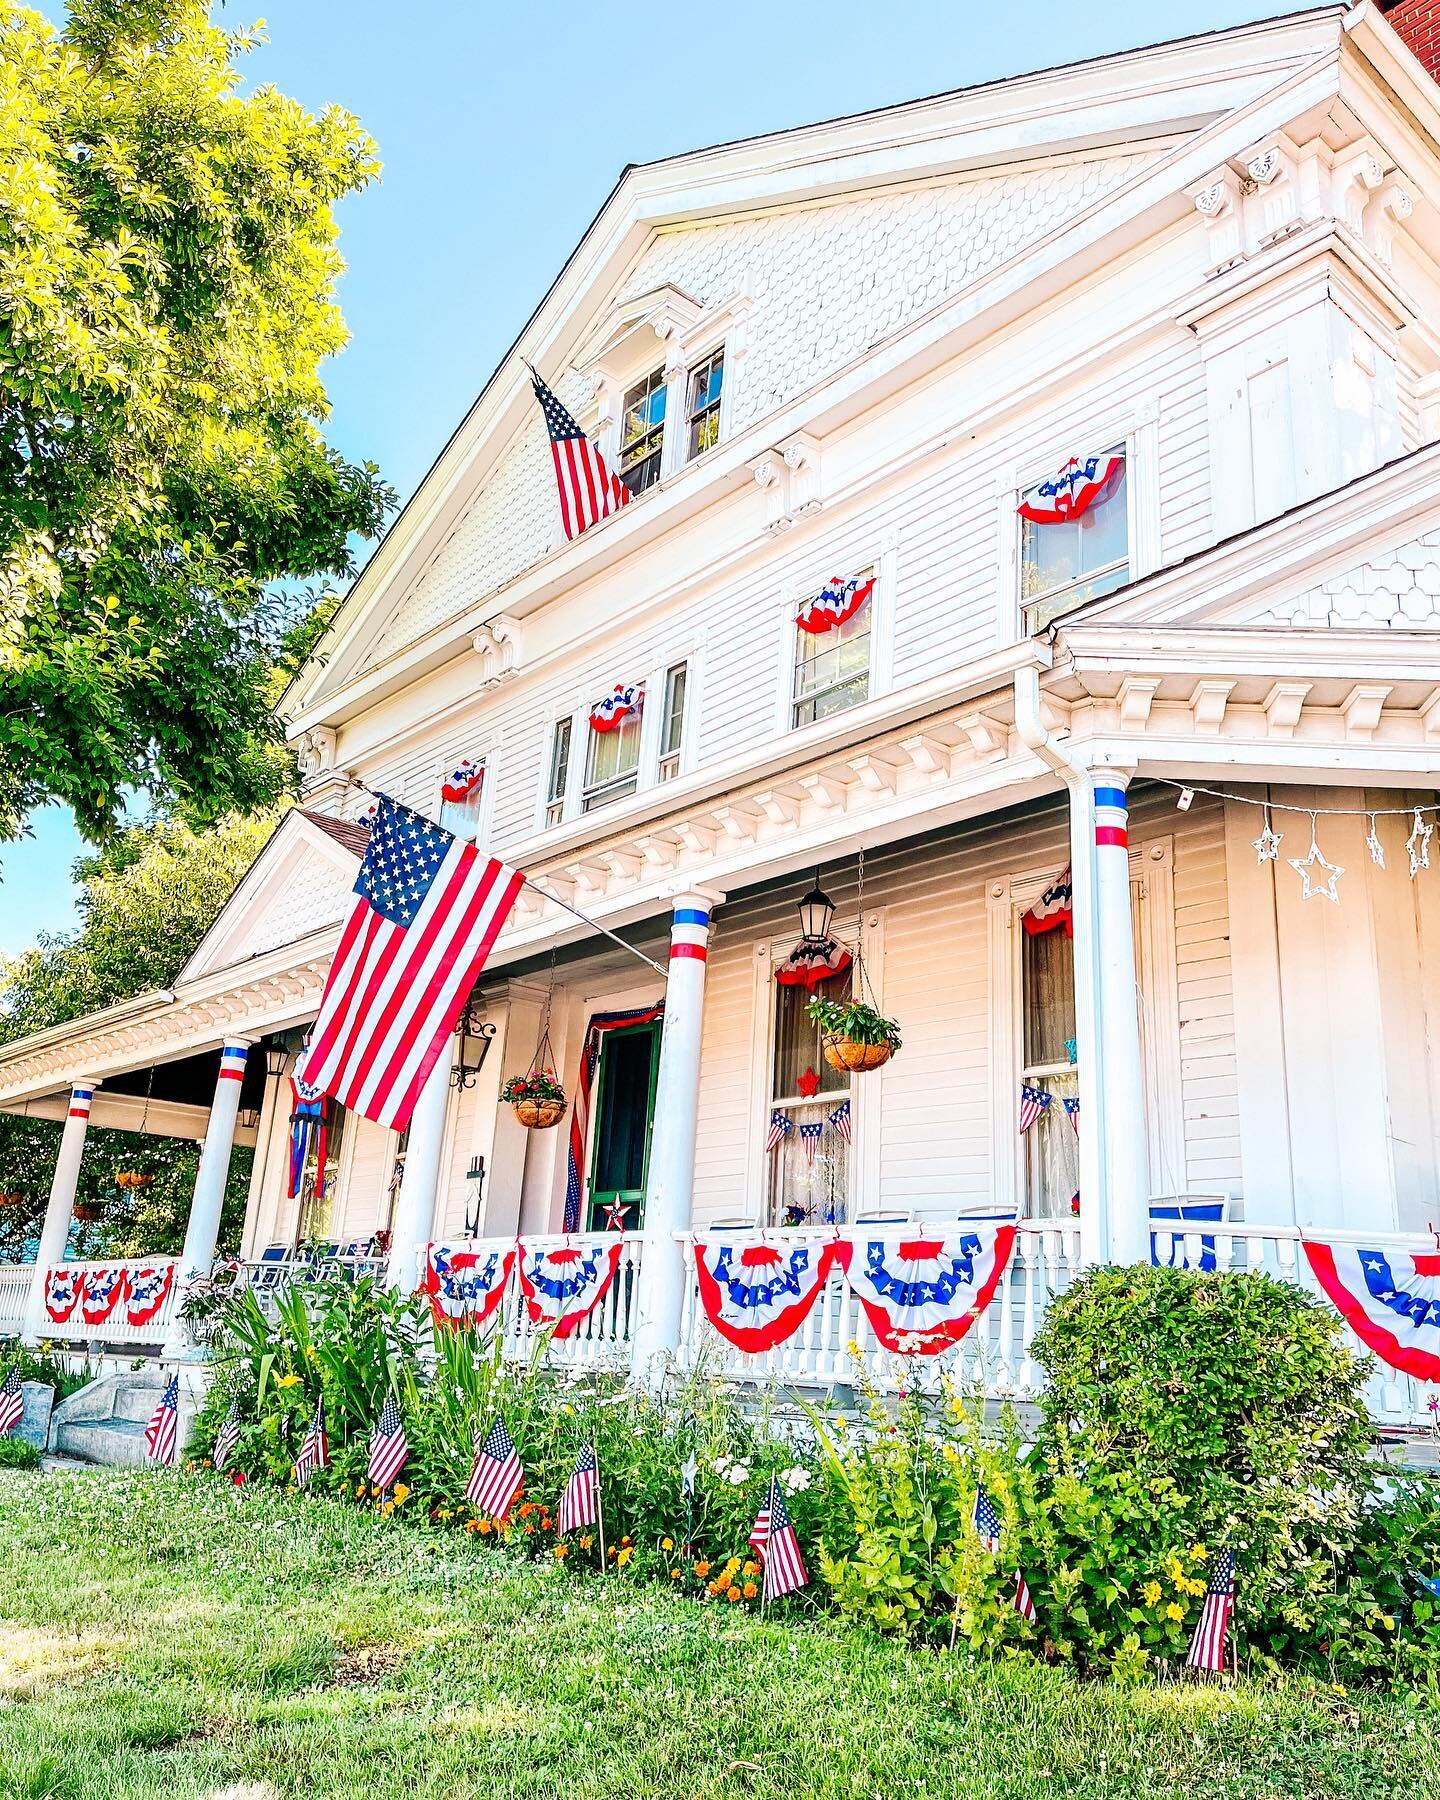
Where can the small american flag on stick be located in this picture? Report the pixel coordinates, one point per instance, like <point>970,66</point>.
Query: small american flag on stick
<point>163,1430</point>
<point>388,1446</point>
<point>12,1403</point>
<point>227,1437</point>
<point>580,1503</point>
<point>588,491</point>
<point>1207,1647</point>
<point>496,1477</point>
<point>784,1566</point>
<point>987,1529</point>
<point>314,1447</point>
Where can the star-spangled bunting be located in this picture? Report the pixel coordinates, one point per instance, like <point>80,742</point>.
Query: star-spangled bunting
<point>496,1477</point>
<point>388,1446</point>
<point>580,1502</point>
<point>227,1437</point>
<point>162,1432</point>
<point>588,491</point>
<point>839,1121</point>
<point>1073,491</point>
<point>12,1403</point>
<point>781,1125</point>
<point>810,1136</point>
<point>428,908</point>
<point>314,1448</point>
<point>987,1529</point>
<point>462,781</point>
<point>1033,1102</point>
<point>1208,1646</point>
<point>1072,1111</point>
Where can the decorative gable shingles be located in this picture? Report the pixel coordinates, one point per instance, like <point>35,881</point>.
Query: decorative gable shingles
<point>1398,589</point>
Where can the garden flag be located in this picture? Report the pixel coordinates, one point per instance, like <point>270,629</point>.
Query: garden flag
<point>1073,491</point>
<point>1033,1102</point>
<point>812,961</point>
<point>923,1294</point>
<point>1389,1298</point>
<point>755,1294</point>
<point>561,1286</point>
<point>163,1430</point>
<point>810,1136</point>
<point>588,491</point>
<point>1054,910</point>
<point>1207,1647</point>
<point>227,1437</point>
<point>496,1477</point>
<point>784,1566</point>
<point>12,1403</point>
<point>315,1447</point>
<point>388,1446</point>
<point>465,1286</point>
<point>599,1024</point>
<point>462,781</point>
<point>616,708</point>
<point>836,602</point>
<point>987,1529</point>
<point>428,909</point>
<point>580,1502</point>
<point>781,1125</point>
<point>839,1121</point>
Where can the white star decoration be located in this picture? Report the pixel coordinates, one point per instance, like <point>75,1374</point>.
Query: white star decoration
<point>1374,846</point>
<point>1418,844</point>
<point>1267,845</point>
<point>1312,889</point>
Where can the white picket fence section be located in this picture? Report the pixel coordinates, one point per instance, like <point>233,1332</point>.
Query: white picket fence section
<point>15,1284</point>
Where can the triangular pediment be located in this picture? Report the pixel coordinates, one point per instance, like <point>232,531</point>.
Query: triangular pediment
<point>299,884</point>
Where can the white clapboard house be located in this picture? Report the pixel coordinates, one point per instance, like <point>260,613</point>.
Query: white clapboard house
<point>1104,405</point>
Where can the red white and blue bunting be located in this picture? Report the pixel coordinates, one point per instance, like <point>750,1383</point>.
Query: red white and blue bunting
<point>812,961</point>
<point>779,1128</point>
<point>462,781</point>
<point>1389,1298</point>
<point>466,1286</point>
<point>562,1286</point>
<point>1054,910</point>
<point>309,1123</point>
<point>836,602</point>
<point>146,1290</point>
<point>1033,1102</point>
<point>757,1293</point>
<point>1073,491</point>
<point>923,1294</point>
<point>63,1288</point>
<point>102,1291</point>
<point>615,708</point>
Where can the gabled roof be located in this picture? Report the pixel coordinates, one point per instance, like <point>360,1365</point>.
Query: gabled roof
<point>1180,99</point>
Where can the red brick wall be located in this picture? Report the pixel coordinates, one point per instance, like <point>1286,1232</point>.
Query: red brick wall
<point>1418,23</point>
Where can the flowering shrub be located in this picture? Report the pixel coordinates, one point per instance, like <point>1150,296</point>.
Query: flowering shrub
<point>539,1085</point>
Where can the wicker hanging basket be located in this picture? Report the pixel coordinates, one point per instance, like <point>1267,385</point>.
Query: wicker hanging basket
<point>88,1211</point>
<point>541,1112</point>
<point>848,1057</point>
<point>539,1115</point>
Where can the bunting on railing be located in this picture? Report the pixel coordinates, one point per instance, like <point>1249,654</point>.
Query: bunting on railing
<point>146,1290</point>
<point>1073,491</point>
<point>836,602</point>
<point>101,1292</point>
<point>462,781</point>
<point>923,1294</point>
<point>812,961</point>
<point>62,1292</point>
<point>1389,1298</point>
<point>465,1286</point>
<point>756,1293</point>
<point>562,1286</point>
<point>615,708</point>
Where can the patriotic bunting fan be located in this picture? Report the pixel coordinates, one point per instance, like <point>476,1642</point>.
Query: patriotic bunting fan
<point>309,1127</point>
<point>1033,1101</point>
<point>465,1286</point>
<point>1390,1300</point>
<point>102,1293</point>
<point>62,1292</point>
<point>1073,491</point>
<point>562,1286</point>
<point>812,961</point>
<point>615,708</point>
<point>146,1291</point>
<point>756,1293</point>
<point>1054,910</point>
<point>836,602</point>
<point>922,1295</point>
<point>462,781</point>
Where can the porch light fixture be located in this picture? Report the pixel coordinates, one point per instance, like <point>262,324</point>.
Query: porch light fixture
<point>817,909</point>
<point>248,1117</point>
<point>277,1058</point>
<point>476,1036</point>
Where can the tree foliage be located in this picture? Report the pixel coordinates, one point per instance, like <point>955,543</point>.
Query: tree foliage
<point>167,280</point>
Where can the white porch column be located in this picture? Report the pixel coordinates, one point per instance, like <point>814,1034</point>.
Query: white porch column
<point>55,1230</point>
<point>669,1188</point>
<point>202,1228</point>
<point>1125,1181</point>
<point>414,1219</point>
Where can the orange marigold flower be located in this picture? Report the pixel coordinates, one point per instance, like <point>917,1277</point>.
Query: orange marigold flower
<point>526,1510</point>
<point>482,1526</point>
<point>626,1552</point>
<point>732,1594</point>
<point>751,1590</point>
<point>586,1541</point>
<point>561,1552</point>
<point>751,1568</point>
<point>702,1569</point>
<point>675,1574</point>
<point>529,1528</point>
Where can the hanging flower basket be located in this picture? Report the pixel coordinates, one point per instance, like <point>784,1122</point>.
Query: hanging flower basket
<point>12,1199</point>
<point>88,1211</point>
<point>854,1036</point>
<point>536,1099</point>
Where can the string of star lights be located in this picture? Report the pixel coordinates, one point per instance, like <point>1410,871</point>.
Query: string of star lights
<point>1319,877</point>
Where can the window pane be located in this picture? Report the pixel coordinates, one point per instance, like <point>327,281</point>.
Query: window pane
<point>1058,559</point>
<point>805,1193</point>
<point>612,761</point>
<point>1051,1151</point>
<point>673,731</point>
<point>642,432</point>
<point>1048,982</point>
<point>832,668</point>
<point>703,404</point>
<point>797,1041</point>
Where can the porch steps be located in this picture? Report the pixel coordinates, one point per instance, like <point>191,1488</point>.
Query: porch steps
<point>104,1422</point>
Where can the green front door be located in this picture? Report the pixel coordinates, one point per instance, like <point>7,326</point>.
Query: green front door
<point>624,1111</point>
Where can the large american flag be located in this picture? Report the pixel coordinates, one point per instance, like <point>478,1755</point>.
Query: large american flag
<point>1207,1647</point>
<point>388,1446</point>
<point>428,909</point>
<point>588,491</point>
<point>163,1429</point>
<point>315,1447</point>
<point>784,1566</point>
<point>580,1503</point>
<point>228,1436</point>
<point>12,1403</point>
<point>495,1476</point>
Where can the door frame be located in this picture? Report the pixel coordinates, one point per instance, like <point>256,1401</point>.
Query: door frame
<point>651,1029</point>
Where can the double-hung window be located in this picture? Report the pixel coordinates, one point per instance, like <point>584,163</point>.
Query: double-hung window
<point>806,1190</point>
<point>702,405</point>
<point>612,763</point>
<point>557,778</point>
<point>672,721</point>
<point>832,667</point>
<point>1047,998</point>
<point>642,432</point>
<point>613,748</point>
<point>1067,560</point>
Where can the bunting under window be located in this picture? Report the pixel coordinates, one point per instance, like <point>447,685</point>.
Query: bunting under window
<point>812,961</point>
<point>463,781</point>
<point>836,602</point>
<point>1054,910</point>
<point>614,709</point>
<point>1074,490</point>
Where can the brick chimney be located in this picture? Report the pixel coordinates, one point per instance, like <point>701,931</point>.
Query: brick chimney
<point>1418,24</point>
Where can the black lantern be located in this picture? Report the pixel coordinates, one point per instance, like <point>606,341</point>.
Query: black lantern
<point>817,909</point>
<point>277,1059</point>
<point>475,1035</point>
<point>248,1117</point>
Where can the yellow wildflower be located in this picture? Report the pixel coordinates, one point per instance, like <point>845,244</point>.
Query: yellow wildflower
<point>1150,1593</point>
<point>751,1568</point>
<point>402,1493</point>
<point>1198,1553</point>
<point>561,1552</point>
<point>624,1556</point>
<point>675,1574</point>
<point>287,1381</point>
<point>1175,1611</point>
<point>586,1541</point>
<point>667,1543</point>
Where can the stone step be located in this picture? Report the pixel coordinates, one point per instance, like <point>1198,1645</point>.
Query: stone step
<point>115,1443</point>
<point>137,1403</point>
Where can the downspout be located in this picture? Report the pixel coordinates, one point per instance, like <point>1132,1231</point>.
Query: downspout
<point>1075,774</point>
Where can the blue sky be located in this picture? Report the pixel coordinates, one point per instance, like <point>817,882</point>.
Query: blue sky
<point>502,130</point>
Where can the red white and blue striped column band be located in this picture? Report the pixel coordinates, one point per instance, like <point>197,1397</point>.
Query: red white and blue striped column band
<point>1112,818</point>
<point>690,933</point>
<point>232,1062</point>
<point>80,1098</point>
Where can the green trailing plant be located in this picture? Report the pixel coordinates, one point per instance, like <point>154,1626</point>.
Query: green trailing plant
<point>539,1085</point>
<point>856,1020</point>
<point>44,1366</point>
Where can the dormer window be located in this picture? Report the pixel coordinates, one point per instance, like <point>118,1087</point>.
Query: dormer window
<point>702,408</point>
<point>642,432</point>
<point>1074,536</point>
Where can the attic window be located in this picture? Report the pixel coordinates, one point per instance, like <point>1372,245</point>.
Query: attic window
<point>702,407</point>
<point>642,432</point>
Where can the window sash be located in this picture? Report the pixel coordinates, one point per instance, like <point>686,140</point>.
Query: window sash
<point>705,389</point>
<point>612,763</point>
<point>1077,559</point>
<point>672,723</point>
<point>642,432</point>
<point>832,669</point>
<point>559,776</point>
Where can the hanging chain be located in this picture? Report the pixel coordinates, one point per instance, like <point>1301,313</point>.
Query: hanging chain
<point>539,1060</point>
<point>862,986</point>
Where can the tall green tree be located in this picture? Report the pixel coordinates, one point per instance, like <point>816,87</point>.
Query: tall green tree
<point>167,296</point>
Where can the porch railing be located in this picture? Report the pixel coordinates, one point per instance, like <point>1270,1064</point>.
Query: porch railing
<point>16,1280</point>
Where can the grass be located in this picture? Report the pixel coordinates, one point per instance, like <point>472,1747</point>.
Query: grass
<point>162,1635</point>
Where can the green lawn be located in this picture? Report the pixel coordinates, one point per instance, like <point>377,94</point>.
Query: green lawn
<point>162,1636</point>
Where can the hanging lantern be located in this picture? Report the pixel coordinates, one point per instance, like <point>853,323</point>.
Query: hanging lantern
<point>816,910</point>
<point>476,1036</point>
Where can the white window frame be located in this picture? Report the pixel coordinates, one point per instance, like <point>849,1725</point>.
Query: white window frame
<point>472,817</point>
<point>651,718</point>
<point>666,386</point>
<point>881,555</point>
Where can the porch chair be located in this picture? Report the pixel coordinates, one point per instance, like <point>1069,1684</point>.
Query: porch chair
<point>733,1224</point>
<point>1167,1246</point>
<point>269,1272</point>
<point>890,1215</point>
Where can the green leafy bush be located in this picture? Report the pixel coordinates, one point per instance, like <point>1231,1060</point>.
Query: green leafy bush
<point>44,1366</point>
<point>18,1453</point>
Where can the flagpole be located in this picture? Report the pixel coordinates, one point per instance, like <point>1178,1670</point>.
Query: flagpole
<point>595,925</point>
<point>769,1543</point>
<point>599,1508</point>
